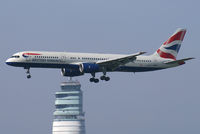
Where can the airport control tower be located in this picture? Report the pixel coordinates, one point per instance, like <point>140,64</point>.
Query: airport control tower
<point>69,115</point>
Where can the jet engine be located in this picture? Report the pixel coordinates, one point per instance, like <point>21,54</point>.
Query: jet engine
<point>89,67</point>
<point>79,69</point>
<point>71,72</point>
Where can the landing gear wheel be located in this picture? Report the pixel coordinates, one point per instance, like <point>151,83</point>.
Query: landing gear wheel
<point>29,76</point>
<point>103,77</point>
<point>28,73</point>
<point>96,80</point>
<point>92,79</point>
<point>107,78</point>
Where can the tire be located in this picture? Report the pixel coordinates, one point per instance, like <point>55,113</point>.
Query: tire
<point>96,80</point>
<point>107,78</point>
<point>28,76</point>
<point>92,79</point>
<point>102,77</point>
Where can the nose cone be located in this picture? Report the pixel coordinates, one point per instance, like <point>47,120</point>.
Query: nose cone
<point>9,62</point>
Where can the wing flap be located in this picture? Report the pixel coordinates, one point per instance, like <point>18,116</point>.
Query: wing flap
<point>114,63</point>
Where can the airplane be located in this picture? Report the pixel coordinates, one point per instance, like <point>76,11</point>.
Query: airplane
<point>77,64</point>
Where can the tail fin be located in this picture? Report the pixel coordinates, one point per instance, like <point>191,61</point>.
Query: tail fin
<point>170,48</point>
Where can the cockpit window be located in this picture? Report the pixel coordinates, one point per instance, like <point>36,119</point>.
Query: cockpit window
<point>15,56</point>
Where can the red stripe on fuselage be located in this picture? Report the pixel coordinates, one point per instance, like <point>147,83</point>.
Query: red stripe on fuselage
<point>31,54</point>
<point>165,55</point>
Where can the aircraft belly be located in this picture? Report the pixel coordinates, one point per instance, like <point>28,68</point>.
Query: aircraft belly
<point>39,65</point>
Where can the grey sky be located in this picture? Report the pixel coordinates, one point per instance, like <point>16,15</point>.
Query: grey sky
<point>164,102</point>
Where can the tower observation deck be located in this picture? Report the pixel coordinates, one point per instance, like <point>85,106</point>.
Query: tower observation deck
<point>69,115</point>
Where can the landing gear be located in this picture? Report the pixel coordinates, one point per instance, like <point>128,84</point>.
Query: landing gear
<point>28,73</point>
<point>28,76</point>
<point>104,77</point>
<point>93,79</point>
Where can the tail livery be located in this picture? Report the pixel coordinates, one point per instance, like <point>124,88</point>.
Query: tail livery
<point>170,48</point>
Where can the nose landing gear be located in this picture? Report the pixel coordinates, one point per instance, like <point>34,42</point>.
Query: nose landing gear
<point>28,73</point>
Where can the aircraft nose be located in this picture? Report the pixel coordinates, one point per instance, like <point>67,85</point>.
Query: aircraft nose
<point>8,62</point>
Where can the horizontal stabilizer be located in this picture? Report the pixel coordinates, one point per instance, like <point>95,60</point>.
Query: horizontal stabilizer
<point>180,62</point>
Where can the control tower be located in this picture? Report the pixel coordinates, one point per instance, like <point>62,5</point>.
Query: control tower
<point>69,115</point>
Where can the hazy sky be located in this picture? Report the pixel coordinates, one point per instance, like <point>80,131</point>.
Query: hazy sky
<point>162,102</point>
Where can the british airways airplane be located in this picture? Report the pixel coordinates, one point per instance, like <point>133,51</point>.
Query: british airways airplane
<point>77,64</point>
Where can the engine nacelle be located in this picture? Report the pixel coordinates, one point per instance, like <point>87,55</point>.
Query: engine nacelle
<point>70,72</point>
<point>79,69</point>
<point>89,67</point>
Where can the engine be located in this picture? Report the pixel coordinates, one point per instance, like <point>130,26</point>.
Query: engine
<point>71,72</point>
<point>79,69</point>
<point>89,67</point>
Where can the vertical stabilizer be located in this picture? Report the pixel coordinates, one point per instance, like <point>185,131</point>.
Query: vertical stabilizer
<point>170,48</point>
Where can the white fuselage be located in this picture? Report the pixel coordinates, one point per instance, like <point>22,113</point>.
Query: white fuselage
<point>42,59</point>
<point>76,64</point>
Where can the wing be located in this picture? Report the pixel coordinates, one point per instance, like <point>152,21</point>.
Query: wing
<point>112,64</point>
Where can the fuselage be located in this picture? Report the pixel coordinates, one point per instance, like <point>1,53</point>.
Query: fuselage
<point>77,64</point>
<point>42,59</point>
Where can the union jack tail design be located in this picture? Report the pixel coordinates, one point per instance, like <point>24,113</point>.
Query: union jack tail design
<point>170,48</point>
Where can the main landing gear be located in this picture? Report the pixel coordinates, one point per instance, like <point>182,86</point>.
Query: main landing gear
<point>105,78</point>
<point>95,80</point>
<point>28,73</point>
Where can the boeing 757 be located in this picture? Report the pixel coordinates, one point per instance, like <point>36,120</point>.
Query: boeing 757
<point>77,64</point>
